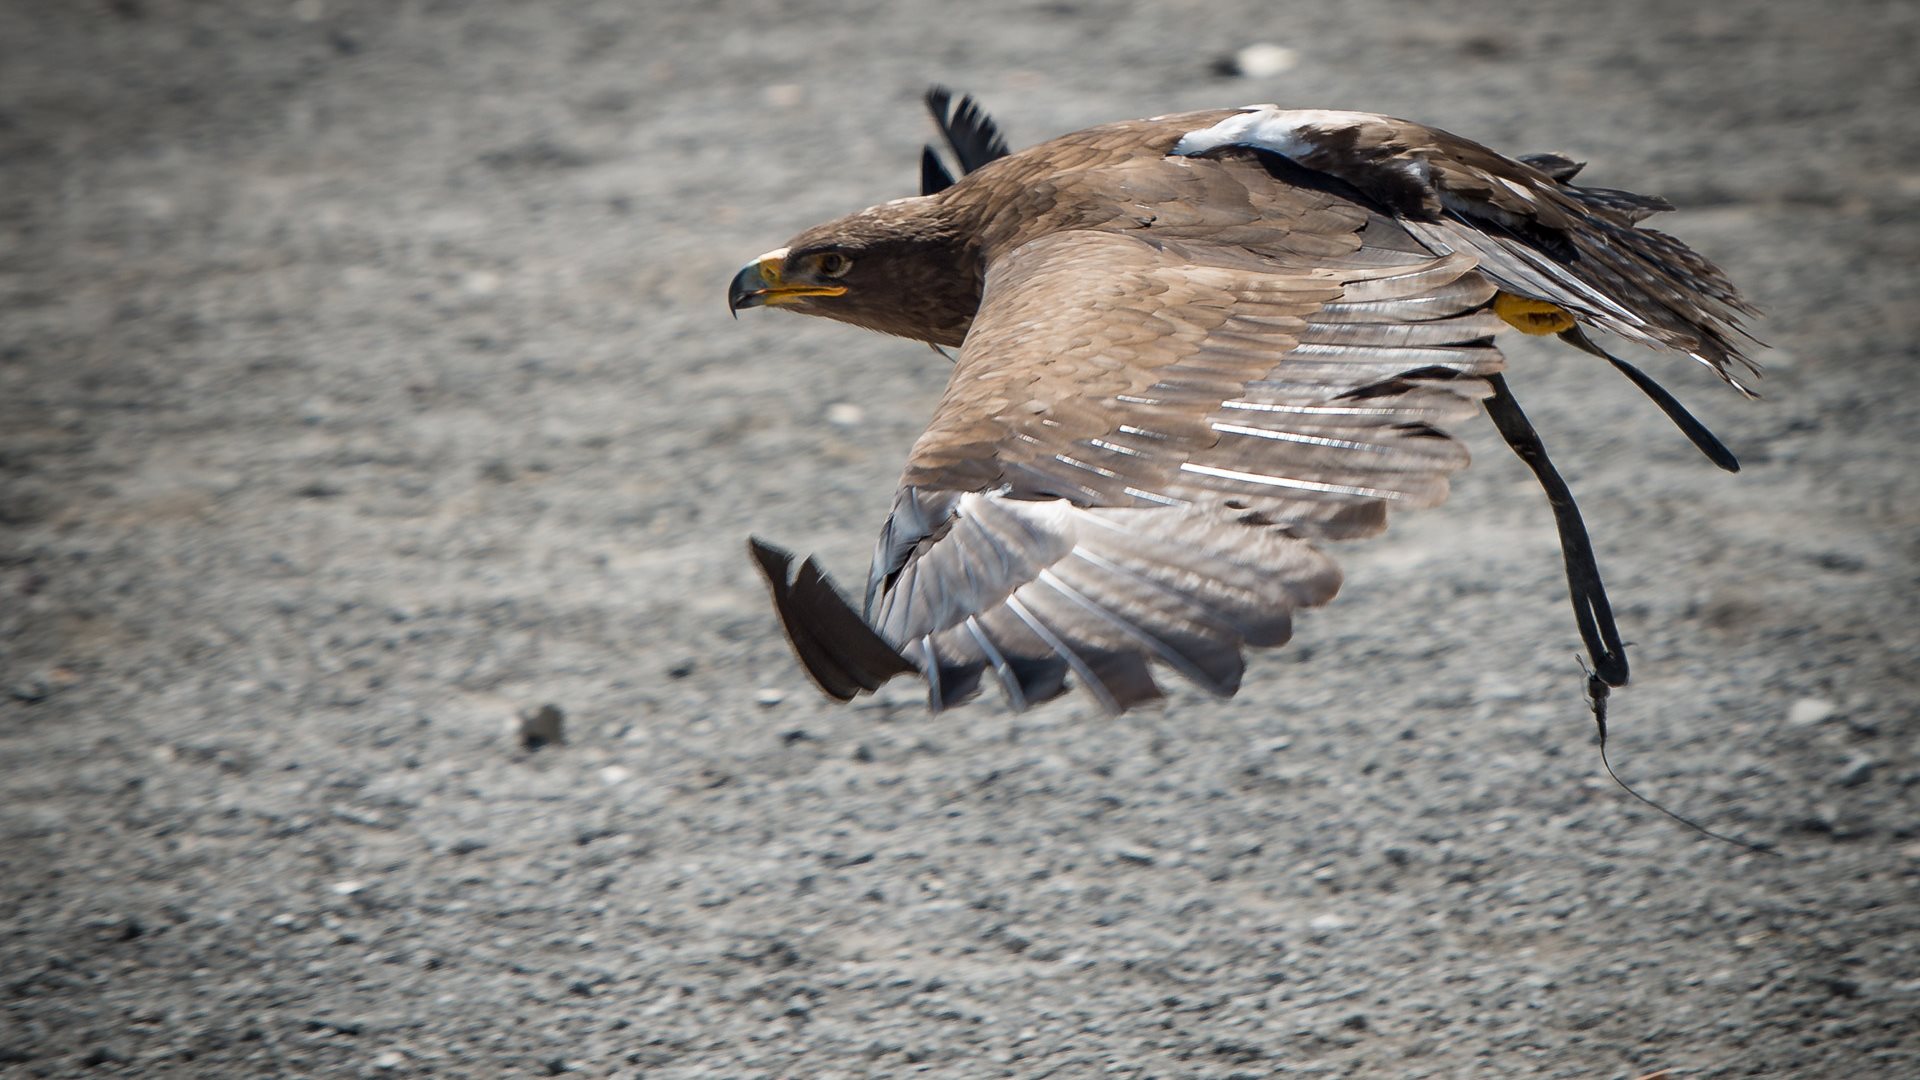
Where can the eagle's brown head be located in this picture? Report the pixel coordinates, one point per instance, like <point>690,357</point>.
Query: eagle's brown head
<point>902,268</point>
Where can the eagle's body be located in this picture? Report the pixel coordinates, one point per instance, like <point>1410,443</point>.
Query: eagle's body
<point>1190,348</point>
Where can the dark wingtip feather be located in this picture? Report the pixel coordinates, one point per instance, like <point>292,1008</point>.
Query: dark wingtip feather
<point>934,177</point>
<point>1630,205</point>
<point>1561,168</point>
<point>968,130</point>
<point>1557,166</point>
<point>839,650</point>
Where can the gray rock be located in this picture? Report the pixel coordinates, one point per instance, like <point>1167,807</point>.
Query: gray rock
<point>541,727</point>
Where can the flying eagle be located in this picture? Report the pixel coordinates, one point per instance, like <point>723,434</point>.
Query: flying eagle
<point>1192,348</point>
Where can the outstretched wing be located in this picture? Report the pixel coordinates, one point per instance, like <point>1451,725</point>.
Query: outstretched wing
<point>1141,439</point>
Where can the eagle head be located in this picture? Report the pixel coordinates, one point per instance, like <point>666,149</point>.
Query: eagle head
<point>901,268</point>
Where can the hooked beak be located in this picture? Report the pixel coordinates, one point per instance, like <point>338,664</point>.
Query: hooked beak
<point>760,284</point>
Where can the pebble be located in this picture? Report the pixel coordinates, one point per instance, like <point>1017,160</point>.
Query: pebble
<point>388,1060</point>
<point>767,697</point>
<point>1858,770</point>
<point>845,414</point>
<point>1810,711</point>
<point>1264,60</point>
<point>1493,686</point>
<point>542,726</point>
<point>615,774</point>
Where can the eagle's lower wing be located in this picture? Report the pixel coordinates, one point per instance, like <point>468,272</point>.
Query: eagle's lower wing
<point>1141,438</point>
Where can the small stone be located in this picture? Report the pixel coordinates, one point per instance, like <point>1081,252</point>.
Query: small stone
<point>541,727</point>
<point>1265,60</point>
<point>767,697</point>
<point>1810,711</point>
<point>347,888</point>
<point>1492,686</point>
<point>614,775</point>
<point>388,1060</point>
<point>845,414</point>
<point>1858,770</point>
<point>1329,921</point>
<point>30,691</point>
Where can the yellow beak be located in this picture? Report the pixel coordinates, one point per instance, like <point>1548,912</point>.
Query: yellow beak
<point>760,284</point>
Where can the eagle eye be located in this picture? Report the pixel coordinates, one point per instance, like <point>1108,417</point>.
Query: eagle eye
<point>833,264</point>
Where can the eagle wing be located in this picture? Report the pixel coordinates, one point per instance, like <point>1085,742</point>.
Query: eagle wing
<point>1138,444</point>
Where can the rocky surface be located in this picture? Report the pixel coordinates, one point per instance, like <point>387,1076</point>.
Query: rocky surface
<point>365,384</point>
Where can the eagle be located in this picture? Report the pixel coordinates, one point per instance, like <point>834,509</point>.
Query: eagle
<point>1193,350</point>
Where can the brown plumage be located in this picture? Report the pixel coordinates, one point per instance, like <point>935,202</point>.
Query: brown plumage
<point>1191,348</point>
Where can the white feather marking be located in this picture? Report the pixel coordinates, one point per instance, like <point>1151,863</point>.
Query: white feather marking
<point>1114,447</point>
<point>1296,437</point>
<point>1290,482</point>
<point>1165,652</point>
<point>1516,187</point>
<point>1207,614</point>
<point>1154,497</point>
<point>1319,410</point>
<point>1078,464</point>
<point>930,667</point>
<point>1052,640</point>
<point>1283,131</point>
<point>1016,698</point>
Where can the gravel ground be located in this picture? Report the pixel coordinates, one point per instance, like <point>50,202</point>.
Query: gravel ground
<point>365,379</point>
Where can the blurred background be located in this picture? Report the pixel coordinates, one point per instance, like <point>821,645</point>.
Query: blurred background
<point>366,383</point>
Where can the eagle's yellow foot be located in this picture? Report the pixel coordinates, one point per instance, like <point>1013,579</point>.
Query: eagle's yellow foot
<point>1530,316</point>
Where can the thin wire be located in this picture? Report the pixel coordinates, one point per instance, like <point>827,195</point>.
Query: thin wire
<point>1597,691</point>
